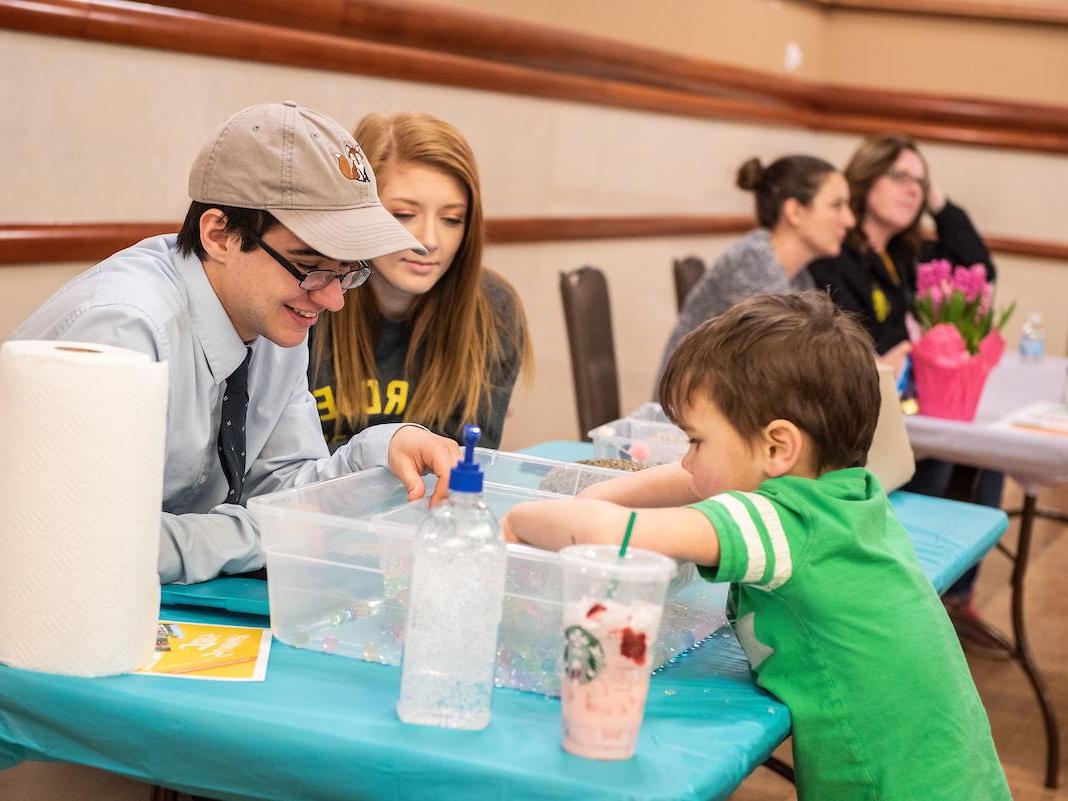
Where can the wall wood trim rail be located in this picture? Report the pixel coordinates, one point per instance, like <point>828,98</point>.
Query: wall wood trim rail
<point>416,24</point>
<point>36,243</point>
<point>1030,12</point>
<point>441,46</point>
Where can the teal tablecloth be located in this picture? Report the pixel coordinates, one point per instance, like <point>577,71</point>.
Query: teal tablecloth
<point>324,727</point>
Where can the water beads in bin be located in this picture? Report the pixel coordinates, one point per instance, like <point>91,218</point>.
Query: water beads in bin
<point>562,480</point>
<point>340,553</point>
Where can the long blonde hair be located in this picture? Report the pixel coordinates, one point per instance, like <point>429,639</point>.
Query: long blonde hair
<point>457,339</point>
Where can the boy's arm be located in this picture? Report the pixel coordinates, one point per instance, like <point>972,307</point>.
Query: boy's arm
<point>679,532</point>
<point>660,486</point>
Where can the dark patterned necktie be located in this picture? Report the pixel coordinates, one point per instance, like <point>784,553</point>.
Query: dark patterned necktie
<point>232,429</point>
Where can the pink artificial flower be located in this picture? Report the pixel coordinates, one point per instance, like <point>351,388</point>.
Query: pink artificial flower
<point>936,296</point>
<point>946,289</point>
<point>987,297</point>
<point>979,271</point>
<point>965,280</point>
<point>942,269</point>
<point>924,278</point>
<point>931,273</point>
<point>961,297</point>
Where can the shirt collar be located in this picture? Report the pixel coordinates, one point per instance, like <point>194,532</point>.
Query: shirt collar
<point>850,483</point>
<point>222,346</point>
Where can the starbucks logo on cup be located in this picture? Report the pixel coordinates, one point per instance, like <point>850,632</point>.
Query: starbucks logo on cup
<point>583,655</point>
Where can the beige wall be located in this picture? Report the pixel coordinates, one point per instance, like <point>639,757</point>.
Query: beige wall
<point>954,55</point>
<point>117,147</point>
<point>24,287</point>
<point>980,58</point>
<point>749,33</point>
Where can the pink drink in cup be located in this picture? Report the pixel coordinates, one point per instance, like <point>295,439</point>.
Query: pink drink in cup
<point>612,611</point>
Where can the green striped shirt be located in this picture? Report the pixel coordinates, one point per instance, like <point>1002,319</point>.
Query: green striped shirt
<point>838,620</point>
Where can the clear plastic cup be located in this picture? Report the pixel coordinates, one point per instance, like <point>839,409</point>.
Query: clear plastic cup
<point>612,611</point>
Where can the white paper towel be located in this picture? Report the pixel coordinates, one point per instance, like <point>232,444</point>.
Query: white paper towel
<point>82,430</point>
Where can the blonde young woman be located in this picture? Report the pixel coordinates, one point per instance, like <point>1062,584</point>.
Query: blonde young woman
<point>435,339</point>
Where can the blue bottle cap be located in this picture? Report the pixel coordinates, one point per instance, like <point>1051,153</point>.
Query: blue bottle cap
<point>467,475</point>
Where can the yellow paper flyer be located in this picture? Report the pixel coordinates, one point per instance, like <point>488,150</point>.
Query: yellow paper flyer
<point>207,651</point>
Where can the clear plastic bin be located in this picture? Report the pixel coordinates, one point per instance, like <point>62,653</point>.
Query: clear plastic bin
<point>651,412</point>
<point>636,440</point>
<point>339,555</point>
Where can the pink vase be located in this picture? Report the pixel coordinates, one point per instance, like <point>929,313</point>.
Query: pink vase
<point>949,380</point>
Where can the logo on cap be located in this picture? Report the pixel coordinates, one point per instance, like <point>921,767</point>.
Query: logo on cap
<point>352,164</point>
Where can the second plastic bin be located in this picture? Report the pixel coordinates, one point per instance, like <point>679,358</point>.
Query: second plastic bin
<point>636,440</point>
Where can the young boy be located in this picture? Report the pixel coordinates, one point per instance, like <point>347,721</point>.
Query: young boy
<point>779,397</point>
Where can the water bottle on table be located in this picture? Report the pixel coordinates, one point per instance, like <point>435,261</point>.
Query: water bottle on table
<point>1032,338</point>
<point>454,607</point>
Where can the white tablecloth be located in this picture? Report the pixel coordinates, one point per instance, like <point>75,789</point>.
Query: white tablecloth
<point>1033,459</point>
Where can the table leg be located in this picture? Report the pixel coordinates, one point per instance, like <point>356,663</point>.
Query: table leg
<point>1045,514</point>
<point>1022,652</point>
<point>778,766</point>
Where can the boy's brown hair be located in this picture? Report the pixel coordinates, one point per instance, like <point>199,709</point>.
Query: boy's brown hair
<point>792,357</point>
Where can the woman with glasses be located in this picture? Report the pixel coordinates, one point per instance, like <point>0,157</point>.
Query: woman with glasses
<point>875,277</point>
<point>435,339</point>
<point>875,274</point>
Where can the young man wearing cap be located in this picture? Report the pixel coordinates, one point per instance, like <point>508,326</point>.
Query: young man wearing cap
<point>285,214</point>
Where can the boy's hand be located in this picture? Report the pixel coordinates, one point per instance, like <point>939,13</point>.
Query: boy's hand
<point>413,452</point>
<point>552,525</point>
<point>506,529</point>
<point>936,198</point>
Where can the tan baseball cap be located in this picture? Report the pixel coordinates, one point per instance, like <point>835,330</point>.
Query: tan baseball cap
<point>309,172</point>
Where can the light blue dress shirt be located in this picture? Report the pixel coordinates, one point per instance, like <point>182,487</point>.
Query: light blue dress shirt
<point>149,298</point>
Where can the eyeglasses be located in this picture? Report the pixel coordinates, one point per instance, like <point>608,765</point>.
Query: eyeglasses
<point>902,178</point>
<point>318,279</point>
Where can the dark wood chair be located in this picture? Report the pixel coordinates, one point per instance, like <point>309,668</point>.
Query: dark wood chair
<point>688,272</point>
<point>593,357</point>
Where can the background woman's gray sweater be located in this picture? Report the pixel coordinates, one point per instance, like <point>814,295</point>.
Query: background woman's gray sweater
<point>746,268</point>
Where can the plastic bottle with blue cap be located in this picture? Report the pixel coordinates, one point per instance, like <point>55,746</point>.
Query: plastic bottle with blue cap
<point>454,608</point>
<point>1032,338</point>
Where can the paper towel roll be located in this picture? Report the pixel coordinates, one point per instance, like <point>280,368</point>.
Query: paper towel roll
<point>82,429</point>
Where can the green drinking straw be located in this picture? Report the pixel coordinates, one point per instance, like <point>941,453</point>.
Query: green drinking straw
<point>626,536</point>
<point>613,585</point>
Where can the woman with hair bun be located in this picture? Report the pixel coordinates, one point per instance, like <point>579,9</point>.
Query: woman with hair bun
<point>802,207</point>
<point>436,339</point>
